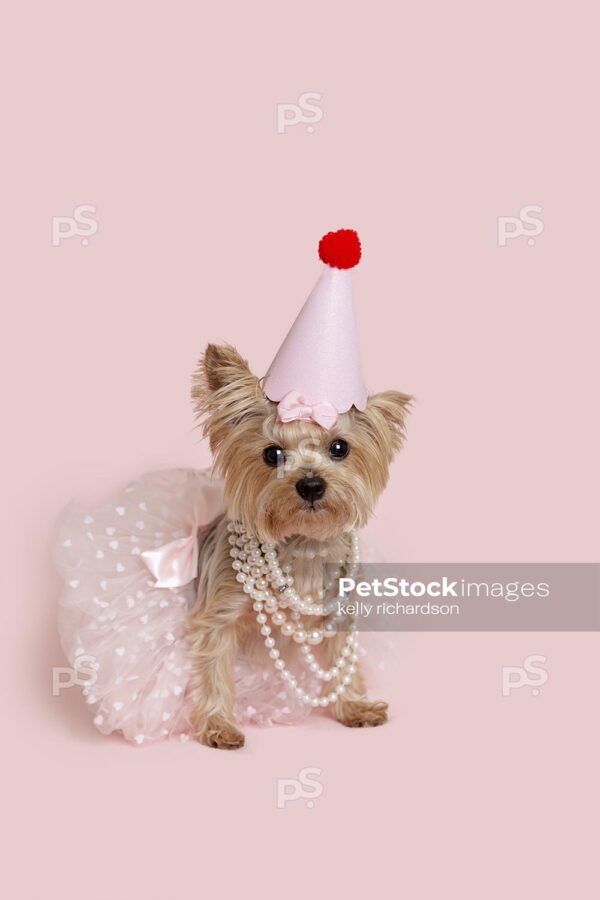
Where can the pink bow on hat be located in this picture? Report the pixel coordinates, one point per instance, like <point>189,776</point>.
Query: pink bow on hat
<point>293,407</point>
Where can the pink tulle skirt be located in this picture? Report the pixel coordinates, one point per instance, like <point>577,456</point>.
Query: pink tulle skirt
<point>124,635</point>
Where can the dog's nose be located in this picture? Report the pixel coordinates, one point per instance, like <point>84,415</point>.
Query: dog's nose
<point>311,488</point>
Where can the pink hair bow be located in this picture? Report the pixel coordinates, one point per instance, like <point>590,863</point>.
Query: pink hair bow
<point>293,407</point>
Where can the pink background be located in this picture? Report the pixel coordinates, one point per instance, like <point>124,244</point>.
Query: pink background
<point>437,119</point>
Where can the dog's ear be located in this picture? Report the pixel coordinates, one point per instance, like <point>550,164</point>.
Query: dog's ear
<point>220,365</point>
<point>224,391</point>
<point>385,418</point>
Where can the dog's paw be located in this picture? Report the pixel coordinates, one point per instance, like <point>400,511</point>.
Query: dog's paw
<point>363,713</point>
<point>220,733</point>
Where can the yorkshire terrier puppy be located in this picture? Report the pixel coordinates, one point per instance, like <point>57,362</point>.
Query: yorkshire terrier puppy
<point>181,586</point>
<point>297,485</point>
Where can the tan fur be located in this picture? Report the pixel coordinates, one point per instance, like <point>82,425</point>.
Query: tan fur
<point>239,423</point>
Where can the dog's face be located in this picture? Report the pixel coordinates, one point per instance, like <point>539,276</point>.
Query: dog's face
<point>295,478</point>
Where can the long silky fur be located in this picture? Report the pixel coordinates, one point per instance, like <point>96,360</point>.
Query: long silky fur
<point>239,423</point>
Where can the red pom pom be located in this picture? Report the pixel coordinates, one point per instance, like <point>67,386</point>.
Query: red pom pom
<point>340,249</point>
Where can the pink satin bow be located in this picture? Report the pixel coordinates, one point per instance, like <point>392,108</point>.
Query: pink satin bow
<point>175,564</point>
<point>293,407</point>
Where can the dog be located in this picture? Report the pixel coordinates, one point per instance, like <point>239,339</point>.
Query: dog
<point>299,487</point>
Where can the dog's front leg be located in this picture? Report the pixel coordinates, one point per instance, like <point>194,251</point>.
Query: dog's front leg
<point>353,708</point>
<point>213,644</point>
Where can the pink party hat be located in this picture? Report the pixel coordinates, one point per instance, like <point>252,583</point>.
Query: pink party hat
<point>316,374</point>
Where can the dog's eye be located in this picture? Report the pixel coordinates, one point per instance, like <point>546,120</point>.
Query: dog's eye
<point>338,449</point>
<point>273,455</point>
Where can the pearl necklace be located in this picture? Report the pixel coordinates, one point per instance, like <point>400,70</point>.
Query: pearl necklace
<point>271,588</point>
